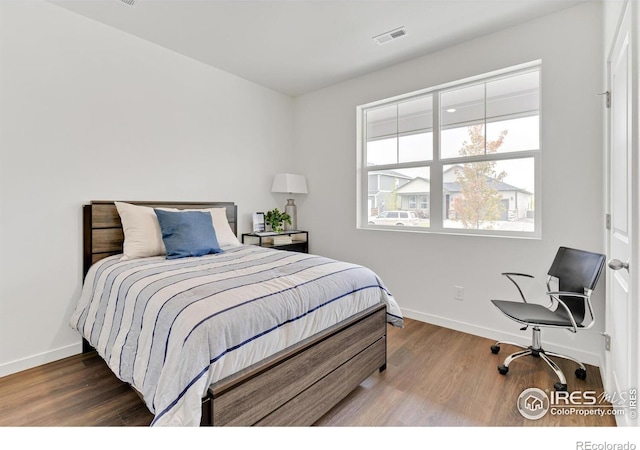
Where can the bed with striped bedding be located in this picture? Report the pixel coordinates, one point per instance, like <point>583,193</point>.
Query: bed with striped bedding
<point>171,328</point>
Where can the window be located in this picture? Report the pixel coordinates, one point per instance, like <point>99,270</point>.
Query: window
<point>462,157</point>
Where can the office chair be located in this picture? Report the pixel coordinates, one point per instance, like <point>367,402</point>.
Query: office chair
<point>576,273</point>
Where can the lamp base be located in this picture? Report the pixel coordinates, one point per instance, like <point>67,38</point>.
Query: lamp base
<point>291,209</point>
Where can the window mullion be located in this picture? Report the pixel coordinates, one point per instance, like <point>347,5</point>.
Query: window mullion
<point>397,133</point>
<point>485,117</point>
<point>435,195</point>
<point>493,157</point>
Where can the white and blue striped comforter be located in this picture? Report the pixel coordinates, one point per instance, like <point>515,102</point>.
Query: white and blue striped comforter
<point>170,328</point>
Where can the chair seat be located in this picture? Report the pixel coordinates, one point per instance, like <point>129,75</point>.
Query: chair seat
<point>532,313</point>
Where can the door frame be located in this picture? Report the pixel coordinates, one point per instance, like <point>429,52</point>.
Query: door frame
<point>632,9</point>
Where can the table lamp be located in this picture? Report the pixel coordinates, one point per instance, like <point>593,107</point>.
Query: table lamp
<point>289,183</point>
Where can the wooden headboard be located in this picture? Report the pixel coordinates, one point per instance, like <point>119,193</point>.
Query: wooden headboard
<point>102,229</point>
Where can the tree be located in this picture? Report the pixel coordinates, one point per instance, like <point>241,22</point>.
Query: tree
<point>480,201</point>
<point>391,200</point>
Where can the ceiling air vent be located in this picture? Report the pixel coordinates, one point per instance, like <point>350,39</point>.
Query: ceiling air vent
<point>129,2</point>
<point>390,35</point>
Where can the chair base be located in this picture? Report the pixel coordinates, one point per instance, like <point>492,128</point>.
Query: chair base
<point>537,351</point>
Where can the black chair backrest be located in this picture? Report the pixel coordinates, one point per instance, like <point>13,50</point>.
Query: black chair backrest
<point>576,270</point>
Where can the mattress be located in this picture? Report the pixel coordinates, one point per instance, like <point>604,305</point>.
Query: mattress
<point>171,328</point>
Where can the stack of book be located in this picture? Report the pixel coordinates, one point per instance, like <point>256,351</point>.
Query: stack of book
<point>282,240</point>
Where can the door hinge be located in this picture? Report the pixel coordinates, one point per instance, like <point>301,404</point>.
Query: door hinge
<point>607,95</point>
<point>608,221</point>
<point>607,341</point>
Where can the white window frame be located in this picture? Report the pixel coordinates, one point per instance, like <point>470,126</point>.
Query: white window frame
<point>436,200</point>
<point>425,204</point>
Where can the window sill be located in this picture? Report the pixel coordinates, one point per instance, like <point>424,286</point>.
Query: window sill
<point>454,232</point>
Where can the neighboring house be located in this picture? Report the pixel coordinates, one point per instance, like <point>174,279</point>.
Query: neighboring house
<point>415,196</point>
<point>381,190</point>
<point>518,203</point>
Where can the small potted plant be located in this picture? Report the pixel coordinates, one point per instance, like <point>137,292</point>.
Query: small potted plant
<point>276,220</point>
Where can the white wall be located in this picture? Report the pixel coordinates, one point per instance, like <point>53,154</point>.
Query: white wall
<point>88,112</point>
<point>611,13</point>
<point>422,269</point>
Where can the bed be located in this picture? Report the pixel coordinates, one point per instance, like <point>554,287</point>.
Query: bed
<point>312,329</point>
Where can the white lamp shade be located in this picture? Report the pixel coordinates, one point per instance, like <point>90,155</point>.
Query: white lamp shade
<point>289,183</point>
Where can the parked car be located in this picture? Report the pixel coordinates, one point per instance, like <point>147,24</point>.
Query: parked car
<point>409,218</point>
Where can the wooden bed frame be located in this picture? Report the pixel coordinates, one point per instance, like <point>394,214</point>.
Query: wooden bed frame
<point>294,387</point>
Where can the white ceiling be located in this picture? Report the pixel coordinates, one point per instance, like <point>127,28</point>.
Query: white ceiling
<point>298,46</point>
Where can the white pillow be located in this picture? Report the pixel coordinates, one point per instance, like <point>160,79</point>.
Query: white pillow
<point>224,233</point>
<point>142,234</point>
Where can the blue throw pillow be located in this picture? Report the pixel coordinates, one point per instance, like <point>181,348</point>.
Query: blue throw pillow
<point>187,233</point>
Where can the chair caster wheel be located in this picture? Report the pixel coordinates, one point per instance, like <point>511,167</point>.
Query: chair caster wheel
<point>581,373</point>
<point>503,369</point>
<point>560,386</point>
<point>495,349</point>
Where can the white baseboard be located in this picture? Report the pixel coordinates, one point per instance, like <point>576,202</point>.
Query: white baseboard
<point>499,335</point>
<point>39,359</point>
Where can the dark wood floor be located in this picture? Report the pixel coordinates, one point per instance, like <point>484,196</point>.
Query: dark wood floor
<point>434,377</point>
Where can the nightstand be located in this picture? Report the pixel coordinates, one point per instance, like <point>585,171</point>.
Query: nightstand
<point>293,241</point>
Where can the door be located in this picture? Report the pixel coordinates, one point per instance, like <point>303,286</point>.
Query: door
<point>621,361</point>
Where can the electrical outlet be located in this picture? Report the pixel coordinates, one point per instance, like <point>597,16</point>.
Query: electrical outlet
<point>459,293</point>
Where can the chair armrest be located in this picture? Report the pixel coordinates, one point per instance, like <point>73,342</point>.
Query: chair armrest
<point>556,296</point>
<point>506,274</point>
<point>568,294</point>
<point>516,274</point>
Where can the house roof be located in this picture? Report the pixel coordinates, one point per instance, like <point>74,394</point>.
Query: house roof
<point>392,173</point>
<point>418,185</point>
<point>495,184</point>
